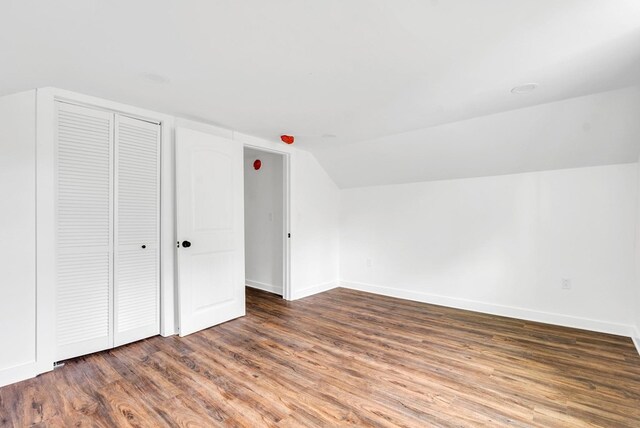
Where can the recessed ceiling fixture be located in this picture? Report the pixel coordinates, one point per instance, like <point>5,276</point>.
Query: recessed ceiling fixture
<point>155,78</point>
<point>527,88</point>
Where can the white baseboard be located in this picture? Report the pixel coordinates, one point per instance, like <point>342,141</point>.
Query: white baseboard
<point>313,289</point>
<point>18,373</point>
<point>636,338</point>
<point>501,310</point>
<point>263,286</point>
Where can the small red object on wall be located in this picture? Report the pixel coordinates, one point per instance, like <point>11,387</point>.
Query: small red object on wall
<point>257,164</point>
<point>287,139</point>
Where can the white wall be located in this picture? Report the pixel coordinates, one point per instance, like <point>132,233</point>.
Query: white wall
<point>18,237</point>
<point>315,226</point>
<point>501,244</point>
<point>264,221</point>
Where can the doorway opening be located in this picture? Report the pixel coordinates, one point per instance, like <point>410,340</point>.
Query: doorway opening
<point>266,220</point>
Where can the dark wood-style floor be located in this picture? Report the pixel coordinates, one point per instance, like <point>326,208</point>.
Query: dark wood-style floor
<point>344,358</point>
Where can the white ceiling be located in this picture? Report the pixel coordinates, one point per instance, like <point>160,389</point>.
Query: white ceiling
<point>362,70</point>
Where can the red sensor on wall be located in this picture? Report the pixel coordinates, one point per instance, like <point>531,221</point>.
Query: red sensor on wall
<point>287,139</point>
<point>257,164</point>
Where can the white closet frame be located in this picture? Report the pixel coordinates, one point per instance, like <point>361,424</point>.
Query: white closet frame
<point>46,221</point>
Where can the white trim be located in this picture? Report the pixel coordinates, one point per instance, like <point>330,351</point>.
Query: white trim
<point>636,338</point>
<point>101,103</point>
<point>314,289</point>
<point>19,373</point>
<point>286,278</point>
<point>45,229</point>
<point>168,256</point>
<point>262,144</point>
<point>264,286</point>
<point>490,308</point>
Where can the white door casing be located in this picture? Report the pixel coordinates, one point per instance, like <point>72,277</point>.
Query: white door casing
<point>210,216</point>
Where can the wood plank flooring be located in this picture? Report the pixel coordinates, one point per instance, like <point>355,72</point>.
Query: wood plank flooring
<point>344,358</point>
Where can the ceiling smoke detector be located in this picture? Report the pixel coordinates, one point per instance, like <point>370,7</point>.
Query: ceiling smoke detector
<point>527,88</point>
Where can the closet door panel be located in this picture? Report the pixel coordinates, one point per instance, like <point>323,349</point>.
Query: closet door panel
<point>84,235</point>
<point>137,199</point>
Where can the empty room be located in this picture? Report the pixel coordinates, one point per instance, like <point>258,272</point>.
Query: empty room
<point>376,213</point>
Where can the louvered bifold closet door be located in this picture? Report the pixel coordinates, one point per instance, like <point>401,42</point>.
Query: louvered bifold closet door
<point>83,298</point>
<point>137,230</point>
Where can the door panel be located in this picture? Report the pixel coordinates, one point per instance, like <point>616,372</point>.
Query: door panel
<point>136,274</point>
<point>83,297</point>
<point>213,206</point>
<point>209,185</point>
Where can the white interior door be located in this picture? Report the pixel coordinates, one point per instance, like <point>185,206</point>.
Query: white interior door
<point>136,256</point>
<point>210,227</point>
<point>84,224</point>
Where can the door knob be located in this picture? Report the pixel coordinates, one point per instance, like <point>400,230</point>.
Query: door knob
<point>186,244</point>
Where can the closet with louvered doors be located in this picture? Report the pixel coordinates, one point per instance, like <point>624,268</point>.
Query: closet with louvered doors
<point>107,230</point>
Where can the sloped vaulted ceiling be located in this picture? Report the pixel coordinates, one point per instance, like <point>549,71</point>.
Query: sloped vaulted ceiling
<point>381,91</point>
